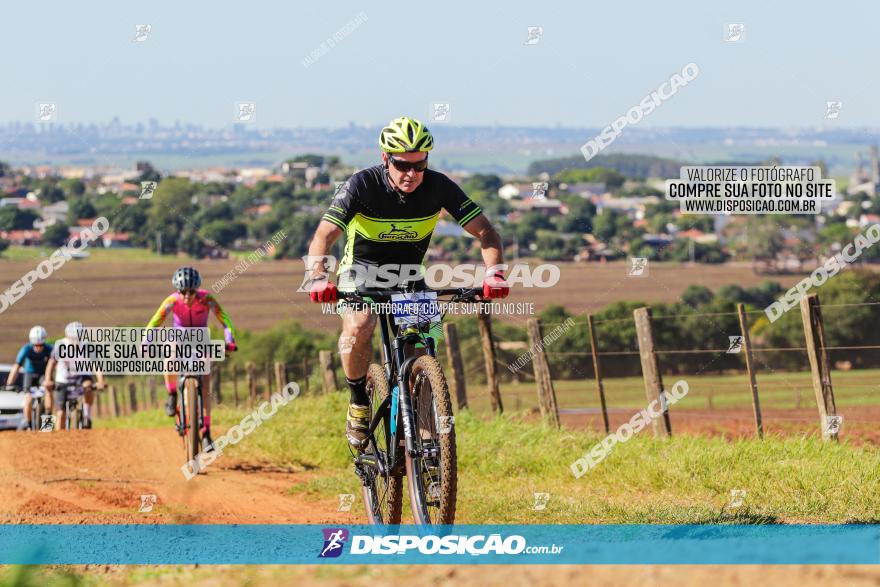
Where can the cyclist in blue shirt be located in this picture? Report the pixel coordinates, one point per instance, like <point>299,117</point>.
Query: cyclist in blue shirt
<point>31,361</point>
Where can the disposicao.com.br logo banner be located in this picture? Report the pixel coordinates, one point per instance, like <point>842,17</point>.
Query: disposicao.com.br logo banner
<point>439,545</point>
<point>163,544</point>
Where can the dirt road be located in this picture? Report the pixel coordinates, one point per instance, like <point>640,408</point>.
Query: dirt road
<point>99,476</point>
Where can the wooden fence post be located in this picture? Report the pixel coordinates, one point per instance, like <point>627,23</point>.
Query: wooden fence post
<point>132,397</point>
<point>814,332</point>
<point>750,367</point>
<point>485,323</point>
<point>328,371</point>
<point>115,408</point>
<point>306,372</point>
<point>597,371</point>
<point>279,376</point>
<point>217,382</point>
<point>235,383</point>
<point>453,356</point>
<point>543,381</point>
<point>269,376</point>
<point>97,404</point>
<point>651,370</point>
<point>251,383</point>
<point>151,385</point>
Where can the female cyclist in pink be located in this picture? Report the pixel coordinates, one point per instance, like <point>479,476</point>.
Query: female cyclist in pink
<point>191,307</point>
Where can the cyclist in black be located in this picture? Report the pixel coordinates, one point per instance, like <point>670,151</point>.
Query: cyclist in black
<point>388,213</point>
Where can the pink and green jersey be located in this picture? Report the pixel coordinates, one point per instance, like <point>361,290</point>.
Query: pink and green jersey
<point>194,316</point>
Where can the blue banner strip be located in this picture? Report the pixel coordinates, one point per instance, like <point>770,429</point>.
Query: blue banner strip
<point>466,544</point>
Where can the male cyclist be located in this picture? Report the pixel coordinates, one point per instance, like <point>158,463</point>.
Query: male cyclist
<point>388,213</point>
<point>191,307</point>
<point>33,358</point>
<point>62,373</point>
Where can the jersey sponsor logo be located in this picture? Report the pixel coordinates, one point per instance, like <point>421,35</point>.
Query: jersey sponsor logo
<point>401,233</point>
<point>392,229</point>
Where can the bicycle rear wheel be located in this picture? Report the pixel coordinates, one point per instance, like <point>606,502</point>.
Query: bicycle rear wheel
<point>190,409</point>
<point>383,494</point>
<point>433,478</point>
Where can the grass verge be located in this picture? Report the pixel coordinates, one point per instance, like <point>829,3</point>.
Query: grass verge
<point>504,461</point>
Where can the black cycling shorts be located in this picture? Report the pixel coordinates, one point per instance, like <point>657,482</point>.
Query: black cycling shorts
<point>61,389</point>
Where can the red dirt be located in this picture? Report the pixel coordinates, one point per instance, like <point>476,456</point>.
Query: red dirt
<point>98,477</point>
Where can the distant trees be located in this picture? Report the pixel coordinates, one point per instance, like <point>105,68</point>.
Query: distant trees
<point>611,178</point>
<point>56,235</point>
<point>631,166</point>
<point>11,218</point>
<point>48,192</point>
<point>765,240</point>
<point>72,187</point>
<point>171,214</point>
<point>223,232</point>
<point>80,207</point>
<point>579,217</point>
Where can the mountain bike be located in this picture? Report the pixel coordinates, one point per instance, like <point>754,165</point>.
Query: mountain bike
<point>73,406</point>
<point>411,390</point>
<point>38,407</point>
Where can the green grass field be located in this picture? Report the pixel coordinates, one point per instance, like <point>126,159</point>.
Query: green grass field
<point>778,390</point>
<point>504,461</point>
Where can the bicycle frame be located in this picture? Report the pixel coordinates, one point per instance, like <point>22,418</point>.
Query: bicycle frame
<point>397,371</point>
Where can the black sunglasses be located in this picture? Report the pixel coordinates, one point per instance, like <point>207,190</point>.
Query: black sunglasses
<point>187,291</point>
<point>405,166</point>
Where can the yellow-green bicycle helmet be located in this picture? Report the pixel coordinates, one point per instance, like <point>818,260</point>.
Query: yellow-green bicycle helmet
<point>406,135</point>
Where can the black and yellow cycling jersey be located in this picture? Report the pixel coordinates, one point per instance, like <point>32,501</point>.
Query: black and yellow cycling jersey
<point>381,229</point>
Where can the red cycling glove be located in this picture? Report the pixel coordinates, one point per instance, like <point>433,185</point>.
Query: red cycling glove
<point>495,287</point>
<point>323,291</point>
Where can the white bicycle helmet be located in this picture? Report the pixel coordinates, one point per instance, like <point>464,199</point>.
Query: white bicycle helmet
<point>70,331</point>
<point>186,278</point>
<point>37,335</point>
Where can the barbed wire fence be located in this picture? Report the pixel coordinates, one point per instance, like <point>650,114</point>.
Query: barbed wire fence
<point>598,373</point>
<point>739,389</point>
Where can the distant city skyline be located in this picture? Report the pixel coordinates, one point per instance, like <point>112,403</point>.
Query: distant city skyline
<point>526,65</point>
<point>507,149</point>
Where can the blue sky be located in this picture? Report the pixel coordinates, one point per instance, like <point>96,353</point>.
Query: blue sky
<point>594,62</point>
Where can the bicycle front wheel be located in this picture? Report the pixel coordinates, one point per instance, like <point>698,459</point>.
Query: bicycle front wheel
<point>383,493</point>
<point>36,414</point>
<point>433,478</point>
<point>192,422</point>
<point>74,417</point>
